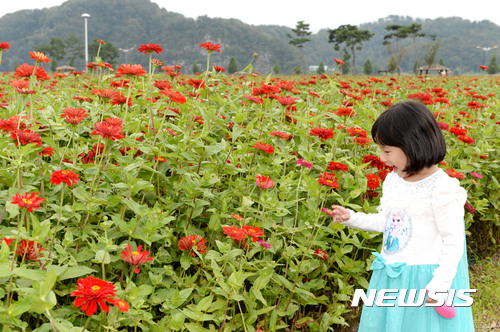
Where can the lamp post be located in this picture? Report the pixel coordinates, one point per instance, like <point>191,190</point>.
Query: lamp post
<point>486,49</point>
<point>126,50</point>
<point>85,16</point>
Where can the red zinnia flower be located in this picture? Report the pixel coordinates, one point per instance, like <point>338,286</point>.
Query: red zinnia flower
<point>29,201</point>
<point>8,241</point>
<point>39,57</point>
<point>344,111</point>
<point>323,133</point>
<point>466,139</point>
<point>150,48</point>
<point>281,134</point>
<point>483,67</point>
<point>26,136</point>
<point>237,217</point>
<point>333,166</point>
<point>253,232</point>
<point>285,101</point>
<point>174,96</point>
<point>197,84</point>
<point>338,61</point>
<point>451,172</point>
<point>219,69</point>
<point>108,131</point>
<point>373,181</point>
<point>4,46</point>
<point>373,161</point>
<point>29,250</point>
<point>74,115</point>
<point>329,179</point>
<point>131,70</point>
<point>256,100</point>
<point>362,140</point>
<point>68,177</point>
<point>188,242</point>
<point>264,147</point>
<point>135,257</point>
<point>234,232</point>
<point>211,47</point>
<point>92,292</point>
<point>321,254</point>
<point>458,131</point>
<point>121,304</point>
<point>48,151</point>
<point>264,182</point>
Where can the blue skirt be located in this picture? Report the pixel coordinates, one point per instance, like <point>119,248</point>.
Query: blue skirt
<point>413,319</point>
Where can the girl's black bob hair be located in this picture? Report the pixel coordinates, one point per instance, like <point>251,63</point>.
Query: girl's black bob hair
<point>410,126</point>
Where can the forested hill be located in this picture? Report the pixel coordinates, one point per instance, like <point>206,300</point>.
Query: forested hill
<point>127,24</point>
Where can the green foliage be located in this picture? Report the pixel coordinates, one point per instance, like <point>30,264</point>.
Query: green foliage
<point>301,31</point>
<point>349,36</point>
<point>321,68</point>
<point>493,67</point>
<point>393,64</point>
<point>277,68</point>
<point>195,69</point>
<point>232,67</point>
<point>367,67</point>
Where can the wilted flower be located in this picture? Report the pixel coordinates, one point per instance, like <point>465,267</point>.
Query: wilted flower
<point>321,254</point>
<point>264,182</point>
<point>188,242</point>
<point>30,250</point>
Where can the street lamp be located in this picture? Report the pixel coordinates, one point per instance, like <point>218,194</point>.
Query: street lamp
<point>85,16</point>
<point>126,50</point>
<point>486,49</point>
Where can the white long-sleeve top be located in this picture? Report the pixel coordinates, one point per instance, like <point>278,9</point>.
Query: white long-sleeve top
<point>422,222</point>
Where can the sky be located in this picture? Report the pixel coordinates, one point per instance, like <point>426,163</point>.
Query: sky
<point>319,14</point>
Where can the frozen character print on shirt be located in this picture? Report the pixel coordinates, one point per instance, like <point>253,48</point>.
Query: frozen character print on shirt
<point>397,231</point>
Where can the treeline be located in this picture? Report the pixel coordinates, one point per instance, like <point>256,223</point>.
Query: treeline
<point>460,45</point>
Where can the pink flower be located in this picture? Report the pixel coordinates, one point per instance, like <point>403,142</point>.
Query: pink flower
<point>264,182</point>
<point>476,175</point>
<point>302,162</point>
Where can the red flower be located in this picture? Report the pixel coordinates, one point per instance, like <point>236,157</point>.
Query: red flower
<point>29,201</point>
<point>321,254</point>
<point>131,70</point>
<point>8,241</point>
<point>120,99</point>
<point>197,84</point>
<point>264,182</point>
<point>91,292</point>
<point>253,232</point>
<point>329,179</point>
<point>211,47</point>
<point>68,177</point>
<point>338,61</point>
<point>281,134</point>
<point>174,96</point>
<point>362,140</point>
<point>264,147</point>
<point>234,232</point>
<point>373,181</point>
<point>333,166</point>
<point>466,139</point>
<point>451,172</point>
<point>256,100</point>
<point>48,151</point>
<point>237,217</point>
<point>373,161</point>
<point>39,57</point>
<point>121,304</point>
<point>108,131</point>
<point>458,131</point>
<point>74,115</point>
<point>188,242</point>
<point>344,111</point>
<point>219,69</point>
<point>483,67</point>
<point>100,41</point>
<point>323,133</point>
<point>4,46</point>
<point>25,137</point>
<point>356,132</point>
<point>135,257</point>
<point>29,250</point>
<point>150,48</point>
<point>285,101</point>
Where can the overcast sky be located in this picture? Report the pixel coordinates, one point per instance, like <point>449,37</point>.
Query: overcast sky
<point>320,14</point>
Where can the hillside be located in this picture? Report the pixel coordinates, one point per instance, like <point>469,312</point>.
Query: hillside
<point>129,23</point>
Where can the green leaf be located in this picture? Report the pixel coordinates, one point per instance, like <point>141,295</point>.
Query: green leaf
<point>204,303</point>
<point>101,256</point>
<point>75,272</point>
<point>18,308</point>
<point>48,284</point>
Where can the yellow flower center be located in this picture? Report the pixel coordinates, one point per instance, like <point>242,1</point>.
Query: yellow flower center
<point>95,288</point>
<point>135,253</point>
<point>27,201</point>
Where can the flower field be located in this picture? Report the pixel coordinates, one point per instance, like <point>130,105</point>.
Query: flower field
<point>143,199</point>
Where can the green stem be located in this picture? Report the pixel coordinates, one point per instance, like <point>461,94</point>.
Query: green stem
<point>58,220</point>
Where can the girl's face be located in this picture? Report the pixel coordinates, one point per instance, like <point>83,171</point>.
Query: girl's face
<point>394,156</point>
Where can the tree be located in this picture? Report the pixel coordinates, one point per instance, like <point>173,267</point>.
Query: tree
<point>441,61</point>
<point>368,67</point>
<point>301,31</point>
<point>232,67</point>
<point>195,68</point>
<point>393,64</point>
<point>276,68</point>
<point>398,32</point>
<point>351,37</point>
<point>431,51</point>
<point>415,31</point>
<point>74,49</point>
<point>321,68</point>
<point>56,51</point>
<point>493,68</point>
<point>346,68</point>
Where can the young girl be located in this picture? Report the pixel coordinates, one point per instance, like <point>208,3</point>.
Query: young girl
<point>421,215</point>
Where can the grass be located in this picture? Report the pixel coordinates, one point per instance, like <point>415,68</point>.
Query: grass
<point>485,277</point>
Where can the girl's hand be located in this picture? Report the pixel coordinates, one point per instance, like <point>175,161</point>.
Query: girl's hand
<point>341,214</point>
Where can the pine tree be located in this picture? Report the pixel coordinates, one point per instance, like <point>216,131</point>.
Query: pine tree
<point>195,68</point>
<point>232,67</point>
<point>321,68</point>
<point>301,31</point>
<point>276,68</point>
<point>368,67</point>
<point>493,68</point>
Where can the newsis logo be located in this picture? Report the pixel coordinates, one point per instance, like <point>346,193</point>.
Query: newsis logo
<point>408,297</point>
